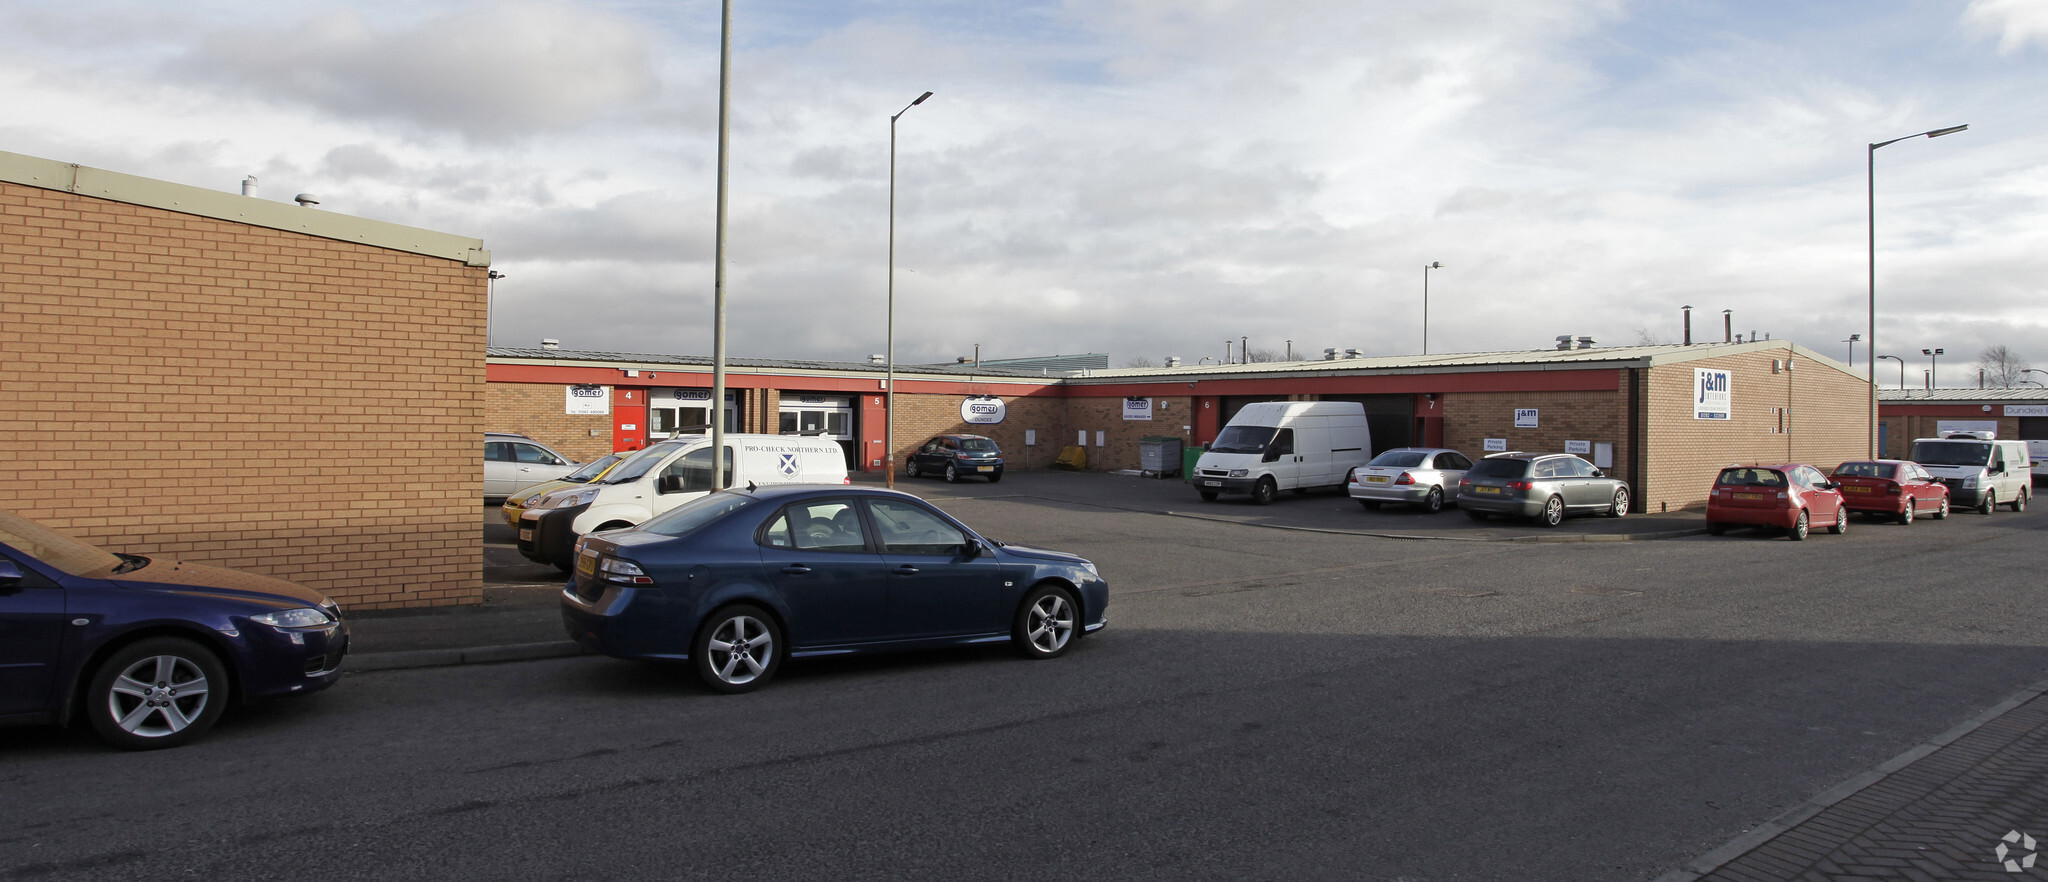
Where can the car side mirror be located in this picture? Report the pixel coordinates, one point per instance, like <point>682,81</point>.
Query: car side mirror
<point>10,575</point>
<point>1599,474</point>
<point>668,484</point>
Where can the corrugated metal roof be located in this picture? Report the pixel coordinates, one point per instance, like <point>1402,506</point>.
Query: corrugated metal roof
<point>638,359</point>
<point>1964,396</point>
<point>1463,362</point>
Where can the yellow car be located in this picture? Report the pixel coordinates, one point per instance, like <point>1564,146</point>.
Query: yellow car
<point>591,471</point>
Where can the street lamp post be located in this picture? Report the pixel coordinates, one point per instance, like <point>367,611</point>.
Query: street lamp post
<point>1933,358</point>
<point>490,303</point>
<point>889,393</point>
<point>1425,302</point>
<point>1852,348</point>
<point>2033,371</point>
<point>1870,332</point>
<point>1902,370</point>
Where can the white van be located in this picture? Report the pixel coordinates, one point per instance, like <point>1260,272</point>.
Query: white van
<point>1980,470</point>
<point>665,475</point>
<point>1284,445</point>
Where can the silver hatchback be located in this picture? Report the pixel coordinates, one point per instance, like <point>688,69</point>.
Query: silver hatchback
<point>1544,487</point>
<point>1423,477</point>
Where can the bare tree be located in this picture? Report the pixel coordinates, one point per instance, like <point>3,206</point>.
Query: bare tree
<point>1647,337</point>
<point>2002,367</point>
<point>1258,354</point>
<point>1140,361</point>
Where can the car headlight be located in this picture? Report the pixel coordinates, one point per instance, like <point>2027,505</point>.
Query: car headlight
<point>303,617</point>
<point>580,497</point>
<point>1239,473</point>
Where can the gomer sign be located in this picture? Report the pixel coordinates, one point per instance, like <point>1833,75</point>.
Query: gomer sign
<point>983,411</point>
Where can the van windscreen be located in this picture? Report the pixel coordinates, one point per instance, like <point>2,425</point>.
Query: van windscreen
<point>1243,439</point>
<point>1951,453</point>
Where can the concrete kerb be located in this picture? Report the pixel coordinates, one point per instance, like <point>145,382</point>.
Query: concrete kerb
<point>1772,829</point>
<point>1557,537</point>
<point>475,655</point>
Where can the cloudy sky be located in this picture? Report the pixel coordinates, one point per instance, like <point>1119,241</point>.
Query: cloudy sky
<point>1139,177</point>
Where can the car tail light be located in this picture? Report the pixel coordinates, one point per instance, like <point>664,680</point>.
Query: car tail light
<point>846,480</point>
<point>1893,490</point>
<point>1521,485</point>
<point>1405,479</point>
<point>1464,482</point>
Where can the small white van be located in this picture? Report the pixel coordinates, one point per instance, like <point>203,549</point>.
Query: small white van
<point>665,475</point>
<point>1981,472</point>
<point>1272,446</point>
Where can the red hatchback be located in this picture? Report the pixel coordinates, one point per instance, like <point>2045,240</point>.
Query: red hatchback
<point>1891,488</point>
<point>1791,497</point>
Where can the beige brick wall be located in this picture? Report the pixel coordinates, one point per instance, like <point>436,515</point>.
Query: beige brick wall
<point>240,396</point>
<point>1106,415</point>
<point>920,416</point>
<point>539,411</point>
<point>1812,414</point>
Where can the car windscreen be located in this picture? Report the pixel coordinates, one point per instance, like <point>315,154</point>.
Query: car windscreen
<point>1498,468</point>
<point>1243,439</point>
<point>1962,453</point>
<point>978,445</point>
<point>693,515</point>
<point>589,472</point>
<point>54,548</point>
<point>1399,459</point>
<point>639,464</point>
<point>1750,477</point>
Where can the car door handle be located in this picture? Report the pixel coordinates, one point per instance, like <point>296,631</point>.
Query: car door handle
<point>796,569</point>
<point>905,570</point>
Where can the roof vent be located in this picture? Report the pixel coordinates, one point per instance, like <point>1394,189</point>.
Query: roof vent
<point>550,343</point>
<point>1354,353</point>
<point>1330,354</point>
<point>1173,361</point>
<point>1564,341</point>
<point>306,199</point>
<point>1585,342</point>
<point>965,359</point>
<point>249,185</point>
<point>877,359</point>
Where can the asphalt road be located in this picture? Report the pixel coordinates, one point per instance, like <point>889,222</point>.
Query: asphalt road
<point>1266,703</point>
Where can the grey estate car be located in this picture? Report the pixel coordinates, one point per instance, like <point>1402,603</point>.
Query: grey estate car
<point>1542,486</point>
<point>1423,477</point>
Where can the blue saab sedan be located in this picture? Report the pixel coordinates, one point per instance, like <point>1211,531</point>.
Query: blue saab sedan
<point>150,650</point>
<point>740,580</point>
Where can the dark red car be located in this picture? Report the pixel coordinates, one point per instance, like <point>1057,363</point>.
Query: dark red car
<point>1792,497</point>
<point>1891,488</point>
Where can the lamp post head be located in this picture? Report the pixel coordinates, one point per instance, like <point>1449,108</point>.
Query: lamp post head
<point>495,275</point>
<point>1855,337</point>
<point>1948,131</point>
<point>920,100</point>
<point>1434,265</point>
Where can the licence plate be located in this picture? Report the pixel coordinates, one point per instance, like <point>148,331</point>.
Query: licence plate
<point>1212,483</point>
<point>1855,489</point>
<point>985,468</point>
<point>1375,479</point>
<point>1495,490</point>
<point>586,565</point>
<point>526,534</point>
<point>1749,496</point>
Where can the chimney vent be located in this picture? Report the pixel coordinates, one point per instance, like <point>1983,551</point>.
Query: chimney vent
<point>550,343</point>
<point>877,359</point>
<point>1173,361</point>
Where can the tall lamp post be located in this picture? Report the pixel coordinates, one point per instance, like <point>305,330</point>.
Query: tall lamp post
<point>1933,360</point>
<point>889,394</point>
<point>1425,302</point>
<point>1870,333</point>
<point>2033,371</point>
<point>1902,370</point>
<point>490,303</point>
<point>1852,347</point>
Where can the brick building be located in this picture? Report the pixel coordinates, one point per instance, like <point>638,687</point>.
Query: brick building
<point>213,377</point>
<point>1906,414</point>
<point>1633,410</point>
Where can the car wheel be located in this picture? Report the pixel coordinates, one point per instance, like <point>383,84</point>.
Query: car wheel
<point>737,649</point>
<point>2019,503</point>
<point>1800,527</point>
<point>1988,503</point>
<point>1434,502</point>
<point>1841,521</point>
<point>1941,514</point>
<point>1046,622</point>
<point>1906,516</point>
<point>1714,529</point>
<point>910,468</point>
<point>952,474</point>
<point>1620,505</point>
<point>1207,495</point>
<point>1264,491</point>
<point>1369,504</point>
<point>1478,515</point>
<point>1553,512</point>
<point>160,692</point>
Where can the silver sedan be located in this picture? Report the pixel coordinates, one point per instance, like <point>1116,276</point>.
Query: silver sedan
<point>1417,476</point>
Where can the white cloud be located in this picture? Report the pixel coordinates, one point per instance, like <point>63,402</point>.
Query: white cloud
<point>2017,23</point>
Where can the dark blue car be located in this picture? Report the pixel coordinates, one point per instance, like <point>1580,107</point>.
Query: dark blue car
<point>150,650</point>
<point>956,456</point>
<point>740,580</point>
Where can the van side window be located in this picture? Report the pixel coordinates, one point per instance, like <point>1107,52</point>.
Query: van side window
<point>1283,443</point>
<point>695,470</point>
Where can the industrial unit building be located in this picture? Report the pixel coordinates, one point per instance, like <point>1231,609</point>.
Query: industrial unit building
<point>1665,418</point>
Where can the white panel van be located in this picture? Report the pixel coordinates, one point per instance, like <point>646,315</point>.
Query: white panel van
<point>1272,446</point>
<point>1980,471</point>
<point>666,475</point>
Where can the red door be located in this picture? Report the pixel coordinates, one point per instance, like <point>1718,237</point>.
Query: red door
<point>629,419</point>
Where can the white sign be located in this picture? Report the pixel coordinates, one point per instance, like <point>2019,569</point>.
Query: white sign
<point>1603,455</point>
<point>983,411</point>
<point>1944,427</point>
<point>1137,408</point>
<point>1101,438</point>
<point>1578,447</point>
<point>2038,410</point>
<point>1525,417</point>
<point>589,400</point>
<point>1713,396</point>
<point>1496,445</point>
<point>1030,437</point>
